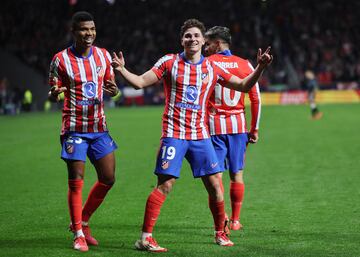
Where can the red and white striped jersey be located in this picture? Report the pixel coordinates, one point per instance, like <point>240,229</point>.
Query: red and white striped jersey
<point>84,78</point>
<point>226,106</point>
<point>187,89</point>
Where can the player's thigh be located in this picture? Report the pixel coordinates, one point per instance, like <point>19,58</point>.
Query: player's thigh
<point>170,156</point>
<point>237,151</point>
<point>76,169</point>
<point>100,147</point>
<point>105,169</point>
<point>202,158</point>
<point>221,149</point>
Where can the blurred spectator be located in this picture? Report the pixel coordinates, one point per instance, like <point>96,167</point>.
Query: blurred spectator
<point>27,101</point>
<point>3,93</point>
<point>143,29</point>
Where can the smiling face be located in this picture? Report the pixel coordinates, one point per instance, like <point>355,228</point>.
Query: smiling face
<point>84,34</point>
<point>192,40</point>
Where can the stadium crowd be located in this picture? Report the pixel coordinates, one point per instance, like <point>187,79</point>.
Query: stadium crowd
<point>317,35</point>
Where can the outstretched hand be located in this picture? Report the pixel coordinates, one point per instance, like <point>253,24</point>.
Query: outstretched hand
<point>55,91</point>
<point>110,88</point>
<point>264,59</point>
<point>118,61</point>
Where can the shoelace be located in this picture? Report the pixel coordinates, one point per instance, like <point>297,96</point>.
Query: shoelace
<point>82,239</point>
<point>223,236</point>
<point>152,241</point>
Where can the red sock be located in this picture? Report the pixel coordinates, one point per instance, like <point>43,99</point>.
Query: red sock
<point>236,195</point>
<point>95,198</point>
<point>75,202</point>
<point>152,210</point>
<point>218,212</point>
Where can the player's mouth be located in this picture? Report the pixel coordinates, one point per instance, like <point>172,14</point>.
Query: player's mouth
<point>89,40</point>
<point>192,45</point>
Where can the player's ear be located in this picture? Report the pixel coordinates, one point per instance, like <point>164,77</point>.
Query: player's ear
<point>182,42</point>
<point>203,41</point>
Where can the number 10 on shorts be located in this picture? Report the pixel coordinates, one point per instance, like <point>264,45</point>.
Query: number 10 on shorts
<point>168,153</point>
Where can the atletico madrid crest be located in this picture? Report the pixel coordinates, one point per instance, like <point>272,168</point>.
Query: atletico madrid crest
<point>165,164</point>
<point>69,149</point>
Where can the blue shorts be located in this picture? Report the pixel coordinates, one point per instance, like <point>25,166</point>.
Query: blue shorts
<point>76,146</point>
<point>230,150</point>
<point>199,153</point>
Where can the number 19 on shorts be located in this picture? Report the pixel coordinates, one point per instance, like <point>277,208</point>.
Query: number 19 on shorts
<point>168,153</point>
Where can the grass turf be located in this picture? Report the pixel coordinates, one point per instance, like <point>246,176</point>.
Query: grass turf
<point>302,188</point>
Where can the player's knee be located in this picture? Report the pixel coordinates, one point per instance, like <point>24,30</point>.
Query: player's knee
<point>165,188</point>
<point>107,180</point>
<point>237,177</point>
<point>75,174</point>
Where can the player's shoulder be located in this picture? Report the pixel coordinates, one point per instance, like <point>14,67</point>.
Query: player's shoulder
<point>102,50</point>
<point>240,59</point>
<point>243,63</point>
<point>164,59</point>
<point>58,57</point>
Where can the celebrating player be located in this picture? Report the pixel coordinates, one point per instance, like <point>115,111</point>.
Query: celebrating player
<point>83,72</point>
<point>227,117</point>
<point>189,80</point>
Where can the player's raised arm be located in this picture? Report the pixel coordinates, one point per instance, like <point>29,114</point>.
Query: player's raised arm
<point>147,79</point>
<point>244,85</point>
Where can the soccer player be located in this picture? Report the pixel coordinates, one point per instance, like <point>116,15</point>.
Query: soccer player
<point>227,123</point>
<point>312,86</point>
<point>83,72</point>
<point>189,79</point>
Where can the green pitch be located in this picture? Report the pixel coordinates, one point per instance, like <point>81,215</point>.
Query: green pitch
<point>302,188</point>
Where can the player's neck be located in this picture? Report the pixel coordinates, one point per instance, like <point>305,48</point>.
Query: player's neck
<point>82,51</point>
<point>193,57</point>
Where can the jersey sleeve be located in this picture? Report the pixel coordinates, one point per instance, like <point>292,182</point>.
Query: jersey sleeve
<point>109,71</point>
<point>255,102</point>
<point>55,72</point>
<point>161,66</point>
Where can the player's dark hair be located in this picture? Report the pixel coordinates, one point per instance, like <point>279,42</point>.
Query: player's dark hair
<point>80,17</point>
<point>219,32</point>
<point>191,23</point>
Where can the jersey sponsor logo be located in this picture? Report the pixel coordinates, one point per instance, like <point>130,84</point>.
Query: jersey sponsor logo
<point>188,106</point>
<point>88,102</point>
<point>89,89</point>
<point>228,65</point>
<point>191,93</point>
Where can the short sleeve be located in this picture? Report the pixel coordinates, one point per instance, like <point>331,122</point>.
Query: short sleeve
<point>54,72</point>
<point>161,66</point>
